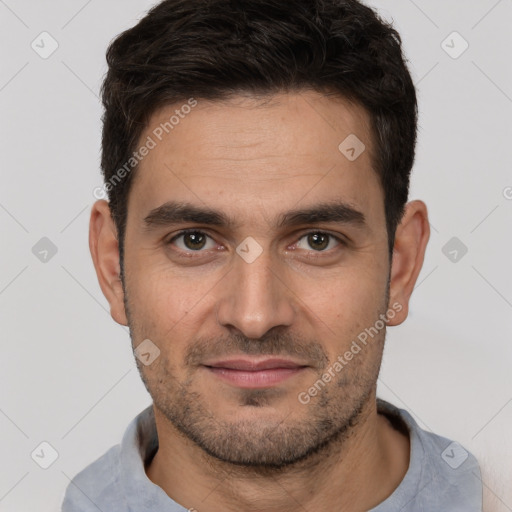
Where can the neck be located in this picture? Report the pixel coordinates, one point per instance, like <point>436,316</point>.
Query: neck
<point>354,473</point>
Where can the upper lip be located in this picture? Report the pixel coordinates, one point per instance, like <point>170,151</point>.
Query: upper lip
<point>255,364</point>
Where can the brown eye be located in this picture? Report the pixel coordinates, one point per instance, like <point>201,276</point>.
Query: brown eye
<point>192,241</point>
<point>318,241</point>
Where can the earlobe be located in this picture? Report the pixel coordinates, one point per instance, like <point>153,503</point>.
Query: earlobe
<point>104,248</point>
<point>411,240</point>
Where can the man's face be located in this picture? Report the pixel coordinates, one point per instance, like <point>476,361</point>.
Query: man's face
<point>249,315</point>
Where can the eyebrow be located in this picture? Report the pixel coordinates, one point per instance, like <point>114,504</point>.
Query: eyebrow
<point>174,212</point>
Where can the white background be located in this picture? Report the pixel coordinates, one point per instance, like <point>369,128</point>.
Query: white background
<point>68,376</point>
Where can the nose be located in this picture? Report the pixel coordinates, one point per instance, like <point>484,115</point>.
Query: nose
<point>255,298</point>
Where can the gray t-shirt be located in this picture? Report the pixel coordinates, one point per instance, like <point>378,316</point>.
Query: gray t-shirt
<point>442,475</point>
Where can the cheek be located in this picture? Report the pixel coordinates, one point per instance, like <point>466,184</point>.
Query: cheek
<point>169,306</point>
<point>163,291</point>
<point>344,305</point>
<point>154,309</point>
<point>347,296</point>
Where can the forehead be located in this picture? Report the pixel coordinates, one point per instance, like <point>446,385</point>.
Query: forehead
<point>247,155</point>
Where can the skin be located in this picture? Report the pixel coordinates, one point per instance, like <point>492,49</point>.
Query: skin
<point>221,447</point>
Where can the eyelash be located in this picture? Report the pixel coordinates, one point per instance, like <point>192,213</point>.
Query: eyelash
<point>313,254</point>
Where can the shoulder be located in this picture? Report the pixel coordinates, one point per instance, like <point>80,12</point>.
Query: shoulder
<point>117,477</point>
<point>452,473</point>
<point>96,485</point>
<point>443,473</point>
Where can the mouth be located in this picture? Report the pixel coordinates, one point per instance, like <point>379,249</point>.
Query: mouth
<point>254,373</point>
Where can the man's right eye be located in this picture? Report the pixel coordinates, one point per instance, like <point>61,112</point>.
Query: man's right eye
<point>192,241</point>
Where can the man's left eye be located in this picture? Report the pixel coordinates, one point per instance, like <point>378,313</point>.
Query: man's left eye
<point>318,241</point>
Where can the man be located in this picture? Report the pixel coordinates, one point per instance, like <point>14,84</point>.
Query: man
<point>257,242</point>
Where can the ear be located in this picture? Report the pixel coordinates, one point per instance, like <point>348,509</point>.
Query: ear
<point>104,248</point>
<point>411,239</point>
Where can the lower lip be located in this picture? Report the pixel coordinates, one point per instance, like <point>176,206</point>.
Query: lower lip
<point>255,379</point>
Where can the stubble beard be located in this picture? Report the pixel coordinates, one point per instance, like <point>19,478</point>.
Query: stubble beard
<point>264,446</point>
